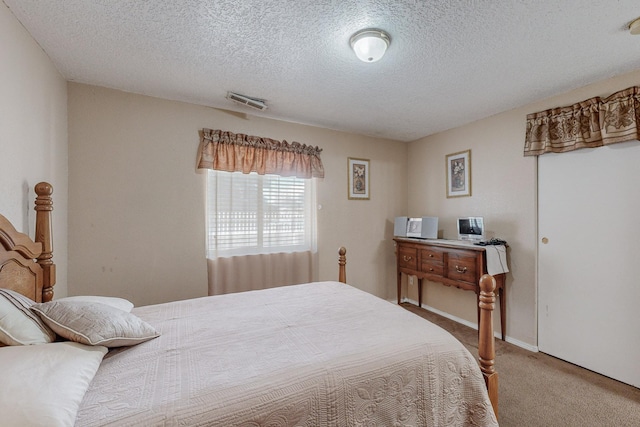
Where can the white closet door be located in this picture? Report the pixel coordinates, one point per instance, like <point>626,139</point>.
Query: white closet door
<point>589,267</point>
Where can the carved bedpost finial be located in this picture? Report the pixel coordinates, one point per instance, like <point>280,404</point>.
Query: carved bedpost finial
<point>44,189</point>
<point>486,342</point>
<point>342,262</point>
<point>44,235</point>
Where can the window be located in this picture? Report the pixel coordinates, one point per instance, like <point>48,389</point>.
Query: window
<point>255,214</point>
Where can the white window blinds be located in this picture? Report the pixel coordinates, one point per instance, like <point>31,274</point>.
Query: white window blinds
<point>255,214</point>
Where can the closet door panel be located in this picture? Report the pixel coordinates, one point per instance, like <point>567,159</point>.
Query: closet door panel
<point>589,258</point>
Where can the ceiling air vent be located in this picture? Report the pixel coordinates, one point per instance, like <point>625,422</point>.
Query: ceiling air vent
<point>256,103</point>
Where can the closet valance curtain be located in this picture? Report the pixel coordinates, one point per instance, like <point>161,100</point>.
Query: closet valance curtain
<point>591,123</point>
<point>231,152</point>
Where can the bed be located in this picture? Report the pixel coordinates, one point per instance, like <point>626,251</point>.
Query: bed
<point>315,354</point>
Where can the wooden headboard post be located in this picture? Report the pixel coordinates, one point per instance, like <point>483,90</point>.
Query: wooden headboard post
<point>486,342</point>
<point>342,262</point>
<point>44,235</point>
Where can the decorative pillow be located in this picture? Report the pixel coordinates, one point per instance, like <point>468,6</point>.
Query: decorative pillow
<point>116,302</point>
<point>43,385</point>
<point>18,325</point>
<point>94,323</point>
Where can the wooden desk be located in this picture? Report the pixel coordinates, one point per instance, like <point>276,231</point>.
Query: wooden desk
<point>450,263</point>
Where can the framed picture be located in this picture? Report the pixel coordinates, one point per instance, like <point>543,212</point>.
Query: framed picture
<point>459,174</point>
<point>358,171</point>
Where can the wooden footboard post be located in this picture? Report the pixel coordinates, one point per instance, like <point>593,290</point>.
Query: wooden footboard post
<point>486,340</point>
<point>44,206</point>
<point>342,262</point>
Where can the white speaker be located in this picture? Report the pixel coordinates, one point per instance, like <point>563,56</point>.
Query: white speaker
<point>429,227</point>
<point>425,227</point>
<point>400,226</point>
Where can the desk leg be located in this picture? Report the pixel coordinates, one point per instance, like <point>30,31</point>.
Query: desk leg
<point>420,293</point>
<point>399,287</point>
<point>501,289</point>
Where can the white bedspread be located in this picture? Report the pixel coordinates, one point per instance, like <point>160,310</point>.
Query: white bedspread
<point>319,354</point>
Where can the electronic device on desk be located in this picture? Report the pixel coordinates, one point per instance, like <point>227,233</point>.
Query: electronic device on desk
<point>425,227</point>
<point>471,228</point>
<point>492,242</point>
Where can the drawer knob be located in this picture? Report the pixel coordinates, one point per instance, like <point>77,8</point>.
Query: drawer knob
<point>431,269</point>
<point>461,269</point>
<point>406,258</point>
<point>430,255</point>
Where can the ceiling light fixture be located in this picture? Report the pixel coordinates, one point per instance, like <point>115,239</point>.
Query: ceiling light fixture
<point>370,44</point>
<point>634,27</point>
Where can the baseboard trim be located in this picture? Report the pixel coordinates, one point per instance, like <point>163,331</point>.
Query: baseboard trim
<point>473,325</point>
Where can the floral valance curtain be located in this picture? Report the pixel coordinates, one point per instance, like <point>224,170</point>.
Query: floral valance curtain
<point>591,123</point>
<point>231,152</point>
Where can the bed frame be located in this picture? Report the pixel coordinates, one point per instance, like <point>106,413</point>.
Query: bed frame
<point>26,266</point>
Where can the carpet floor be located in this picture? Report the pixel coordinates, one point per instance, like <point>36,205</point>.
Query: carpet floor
<point>536,389</point>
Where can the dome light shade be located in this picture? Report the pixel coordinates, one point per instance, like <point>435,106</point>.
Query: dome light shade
<point>370,44</point>
<point>634,27</point>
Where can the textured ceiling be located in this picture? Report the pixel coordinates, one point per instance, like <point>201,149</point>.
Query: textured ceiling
<point>449,63</point>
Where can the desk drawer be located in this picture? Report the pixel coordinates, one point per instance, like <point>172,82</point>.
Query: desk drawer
<point>408,258</point>
<point>436,268</point>
<point>462,266</point>
<point>432,255</point>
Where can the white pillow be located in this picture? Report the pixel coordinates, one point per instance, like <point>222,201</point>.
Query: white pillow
<point>116,302</point>
<point>43,385</point>
<point>94,323</point>
<point>18,325</point>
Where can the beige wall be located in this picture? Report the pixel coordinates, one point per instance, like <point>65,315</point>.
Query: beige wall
<point>136,203</point>
<point>33,135</point>
<point>504,192</point>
